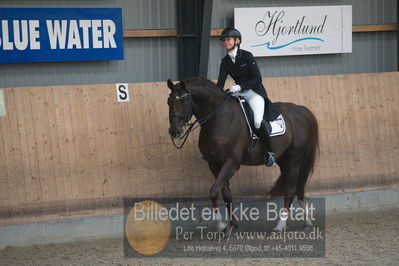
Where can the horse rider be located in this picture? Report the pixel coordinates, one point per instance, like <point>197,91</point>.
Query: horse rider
<point>242,67</point>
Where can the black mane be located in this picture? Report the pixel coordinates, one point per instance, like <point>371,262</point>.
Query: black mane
<point>204,83</point>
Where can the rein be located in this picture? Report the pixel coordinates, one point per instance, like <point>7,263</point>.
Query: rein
<point>198,121</point>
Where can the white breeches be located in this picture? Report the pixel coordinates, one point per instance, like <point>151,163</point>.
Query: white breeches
<point>257,104</point>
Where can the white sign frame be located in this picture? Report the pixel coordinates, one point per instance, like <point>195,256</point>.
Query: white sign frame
<point>2,104</point>
<point>122,92</point>
<point>301,30</point>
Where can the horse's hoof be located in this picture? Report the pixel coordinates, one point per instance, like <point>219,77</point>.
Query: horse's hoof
<point>233,225</point>
<point>279,229</point>
<point>308,227</point>
<point>221,227</point>
<point>232,236</point>
<point>233,230</point>
<point>281,225</point>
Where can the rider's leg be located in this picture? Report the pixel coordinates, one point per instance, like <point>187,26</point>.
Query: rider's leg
<point>263,135</point>
<point>257,104</point>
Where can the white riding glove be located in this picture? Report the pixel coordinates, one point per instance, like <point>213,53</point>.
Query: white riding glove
<point>235,88</point>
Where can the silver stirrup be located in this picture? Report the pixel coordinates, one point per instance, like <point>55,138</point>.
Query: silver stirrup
<point>273,158</point>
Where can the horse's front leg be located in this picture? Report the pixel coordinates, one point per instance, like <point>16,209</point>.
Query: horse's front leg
<point>227,170</point>
<point>228,200</point>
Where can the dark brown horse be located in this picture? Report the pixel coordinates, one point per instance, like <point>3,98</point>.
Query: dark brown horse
<point>224,140</point>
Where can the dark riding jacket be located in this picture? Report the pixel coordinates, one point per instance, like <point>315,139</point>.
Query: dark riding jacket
<point>245,72</point>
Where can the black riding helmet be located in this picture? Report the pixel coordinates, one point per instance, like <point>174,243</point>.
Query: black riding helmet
<point>230,32</point>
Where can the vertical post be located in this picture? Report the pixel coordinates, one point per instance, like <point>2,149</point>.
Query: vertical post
<point>205,37</point>
<point>186,35</point>
<point>193,36</point>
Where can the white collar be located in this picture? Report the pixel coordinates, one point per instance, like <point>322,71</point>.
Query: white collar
<point>233,54</point>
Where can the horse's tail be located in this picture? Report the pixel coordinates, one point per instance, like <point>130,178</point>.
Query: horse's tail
<point>307,164</point>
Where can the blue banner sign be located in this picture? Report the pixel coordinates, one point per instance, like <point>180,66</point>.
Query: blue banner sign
<point>60,34</point>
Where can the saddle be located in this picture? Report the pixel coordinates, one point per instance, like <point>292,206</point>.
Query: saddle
<point>274,119</point>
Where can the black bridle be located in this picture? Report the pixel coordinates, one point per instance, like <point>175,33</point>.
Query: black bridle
<point>188,114</point>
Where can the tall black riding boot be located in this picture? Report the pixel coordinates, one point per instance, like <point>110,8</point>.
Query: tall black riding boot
<point>264,138</point>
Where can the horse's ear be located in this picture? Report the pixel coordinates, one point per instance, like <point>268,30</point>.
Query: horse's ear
<point>182,85</point>
<point>170,84</point>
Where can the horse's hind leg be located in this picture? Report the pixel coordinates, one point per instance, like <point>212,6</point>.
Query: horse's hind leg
<point>304,205</point>
<point>282,222</point>
<point>290,172</point>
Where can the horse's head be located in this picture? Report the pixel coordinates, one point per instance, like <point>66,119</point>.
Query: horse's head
<point>180,110</point>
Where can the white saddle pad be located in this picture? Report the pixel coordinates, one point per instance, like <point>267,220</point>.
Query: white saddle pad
<point>278,126</point>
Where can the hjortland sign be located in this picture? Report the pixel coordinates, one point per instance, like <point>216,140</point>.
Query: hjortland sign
<point>278,31</point>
